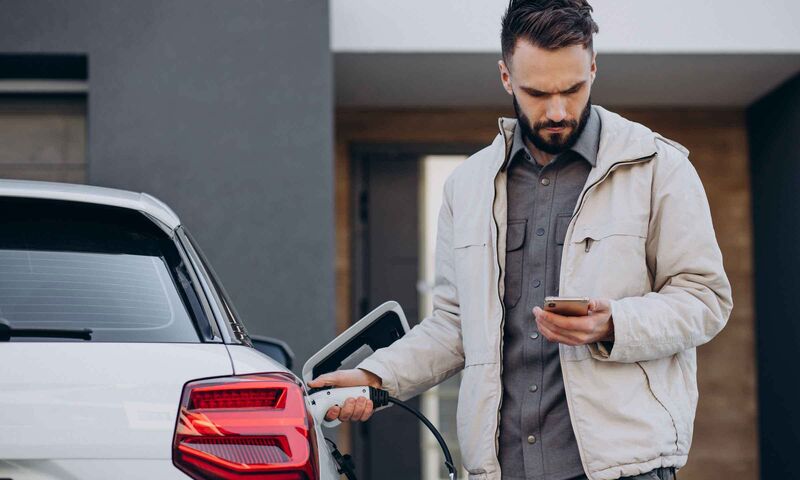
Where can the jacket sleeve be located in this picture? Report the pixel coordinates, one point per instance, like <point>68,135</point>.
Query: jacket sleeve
<point>433,350</point>
<point>691,298</point>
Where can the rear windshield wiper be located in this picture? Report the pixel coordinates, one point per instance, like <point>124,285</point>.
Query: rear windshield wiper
<point>7,331</point>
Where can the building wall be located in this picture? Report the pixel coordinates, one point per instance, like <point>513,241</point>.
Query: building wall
<point>725,439</point>
<point>774,128</point>
<point>225,113</point>
<point>630,26</point>
<point>726,426</point>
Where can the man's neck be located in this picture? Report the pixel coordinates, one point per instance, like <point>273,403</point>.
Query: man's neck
<point>542,158</point>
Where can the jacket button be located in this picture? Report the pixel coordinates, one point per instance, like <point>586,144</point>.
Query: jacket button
<point>537,284</point>
<point>534,335</point>
<point>540,231</point>
<point>531,439</point>
<point>545,181</point>
<point>534,388</point>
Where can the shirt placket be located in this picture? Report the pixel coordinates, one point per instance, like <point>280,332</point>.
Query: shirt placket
<point>533,351</point>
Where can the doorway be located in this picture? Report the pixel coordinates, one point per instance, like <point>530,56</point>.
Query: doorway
<point>397,194</point>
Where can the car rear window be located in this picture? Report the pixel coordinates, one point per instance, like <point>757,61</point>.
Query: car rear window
<point>68,265</point>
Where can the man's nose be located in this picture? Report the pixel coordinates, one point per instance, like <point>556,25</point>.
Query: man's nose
<point>556,110</point>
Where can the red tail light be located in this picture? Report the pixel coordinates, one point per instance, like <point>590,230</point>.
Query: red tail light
<point>249,427</point>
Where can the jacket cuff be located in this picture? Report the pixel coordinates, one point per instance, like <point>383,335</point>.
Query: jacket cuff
<point>388,379</point>
<point>613,351</point>
<point>601,350</point>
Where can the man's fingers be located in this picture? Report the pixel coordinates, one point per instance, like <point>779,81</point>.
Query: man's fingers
<point>358,409</point>
<point>347,410</point>
<point>324,380</point>
<point>554,334</point>
<point>333,413</point>
<point>592,306</point>
<point>368,411</point>
<point>560,322</point>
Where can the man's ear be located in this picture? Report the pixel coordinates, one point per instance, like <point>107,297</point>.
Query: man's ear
<point>593,70</point>
<point>505,77</point>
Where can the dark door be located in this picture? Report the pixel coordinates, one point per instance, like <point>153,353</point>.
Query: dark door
<point>387,268</point>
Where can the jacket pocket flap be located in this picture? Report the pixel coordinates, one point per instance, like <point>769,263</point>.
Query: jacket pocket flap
<point>562,225</point>
<point>602,230</point>
<point>516,234</point>
<point>468,236</point>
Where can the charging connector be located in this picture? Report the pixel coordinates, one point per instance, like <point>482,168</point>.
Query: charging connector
<point>324,398</point>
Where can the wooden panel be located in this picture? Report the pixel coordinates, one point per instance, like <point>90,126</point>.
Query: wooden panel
<point>725,440</point>
<point>726,428</point>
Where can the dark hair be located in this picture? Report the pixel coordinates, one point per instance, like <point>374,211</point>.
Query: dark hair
<point>549,24</point>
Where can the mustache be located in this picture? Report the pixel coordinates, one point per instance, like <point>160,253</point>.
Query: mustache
<point>551,124</point>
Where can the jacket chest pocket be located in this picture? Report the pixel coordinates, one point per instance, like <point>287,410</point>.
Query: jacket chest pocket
<point>562,224</point>
<point>515,262</point>
<point>630,232</point>
<point>613,255</point>
<point>470,257</point>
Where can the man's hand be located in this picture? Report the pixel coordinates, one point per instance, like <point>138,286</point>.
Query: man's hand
<point>595,327</point>
<point>353,409</point>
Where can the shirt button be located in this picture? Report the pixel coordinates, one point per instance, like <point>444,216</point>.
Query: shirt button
<point>531,439</point>
<point>534,388</point>
<point>540,231</point>
<point>545,181</point>
<point>534,335</point>
<point>537,284</point>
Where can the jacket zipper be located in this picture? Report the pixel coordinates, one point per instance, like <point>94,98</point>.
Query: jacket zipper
<point>502,314</point>
<point>567,390</point>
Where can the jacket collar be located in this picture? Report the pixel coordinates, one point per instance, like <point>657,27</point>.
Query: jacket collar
<point>620,140</point>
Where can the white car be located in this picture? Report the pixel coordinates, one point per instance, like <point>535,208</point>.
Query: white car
<point>121,356</point>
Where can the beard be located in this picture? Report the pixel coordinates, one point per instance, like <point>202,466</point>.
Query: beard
<point>552,143</point>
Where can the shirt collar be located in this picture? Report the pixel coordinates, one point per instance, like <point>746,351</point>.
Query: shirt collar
<point>587,145</point>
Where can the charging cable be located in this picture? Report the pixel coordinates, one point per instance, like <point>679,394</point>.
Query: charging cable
<point>326,397</point>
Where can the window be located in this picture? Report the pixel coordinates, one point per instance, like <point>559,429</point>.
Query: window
<point>69,265</point>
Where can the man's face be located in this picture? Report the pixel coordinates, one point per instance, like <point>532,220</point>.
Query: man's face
<point>551,93</point>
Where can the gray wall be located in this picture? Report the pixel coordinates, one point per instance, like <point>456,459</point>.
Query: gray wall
<point>224,110</point>
<point>774,134</point>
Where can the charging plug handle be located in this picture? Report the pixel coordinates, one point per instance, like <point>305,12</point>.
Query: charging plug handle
<point>380,398</point>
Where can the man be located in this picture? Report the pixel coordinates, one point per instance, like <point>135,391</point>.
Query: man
<point>569,200</point>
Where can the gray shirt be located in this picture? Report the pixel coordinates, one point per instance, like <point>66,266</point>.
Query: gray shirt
<point>536,437</point>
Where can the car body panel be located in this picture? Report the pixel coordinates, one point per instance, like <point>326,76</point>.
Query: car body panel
<point>147,204</point>
<point>97,400</point>
<point>90,469</point>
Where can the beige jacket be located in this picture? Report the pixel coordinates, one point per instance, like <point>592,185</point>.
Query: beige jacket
<point>641,235</point>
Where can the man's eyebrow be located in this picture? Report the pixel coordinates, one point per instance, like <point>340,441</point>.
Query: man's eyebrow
<point>572,89</point>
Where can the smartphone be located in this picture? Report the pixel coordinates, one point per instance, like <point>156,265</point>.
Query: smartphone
<point>567,306</point>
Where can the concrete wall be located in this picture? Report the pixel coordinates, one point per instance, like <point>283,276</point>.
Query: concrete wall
<point>631,26</point>
<point>223,110</point>
<point>774,128</point>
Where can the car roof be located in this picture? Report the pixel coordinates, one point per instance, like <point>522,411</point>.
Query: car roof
<point>147,204</point>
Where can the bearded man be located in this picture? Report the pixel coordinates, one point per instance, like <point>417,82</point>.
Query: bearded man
<point>571,200</point>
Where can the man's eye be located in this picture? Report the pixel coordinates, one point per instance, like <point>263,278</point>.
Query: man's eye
<point>537,94</point>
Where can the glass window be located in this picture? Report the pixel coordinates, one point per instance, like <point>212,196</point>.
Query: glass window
<point>74,266</point>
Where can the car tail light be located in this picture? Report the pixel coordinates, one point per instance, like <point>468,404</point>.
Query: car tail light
<point>247,427</point>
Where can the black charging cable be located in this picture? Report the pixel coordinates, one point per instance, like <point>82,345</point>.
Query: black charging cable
<point>381,398</point>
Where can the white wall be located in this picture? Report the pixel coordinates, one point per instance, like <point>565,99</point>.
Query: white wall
<point>626,26</point>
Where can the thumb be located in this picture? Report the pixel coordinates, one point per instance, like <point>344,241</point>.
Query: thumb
<point>325,380</point>
<point>593,305</point>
